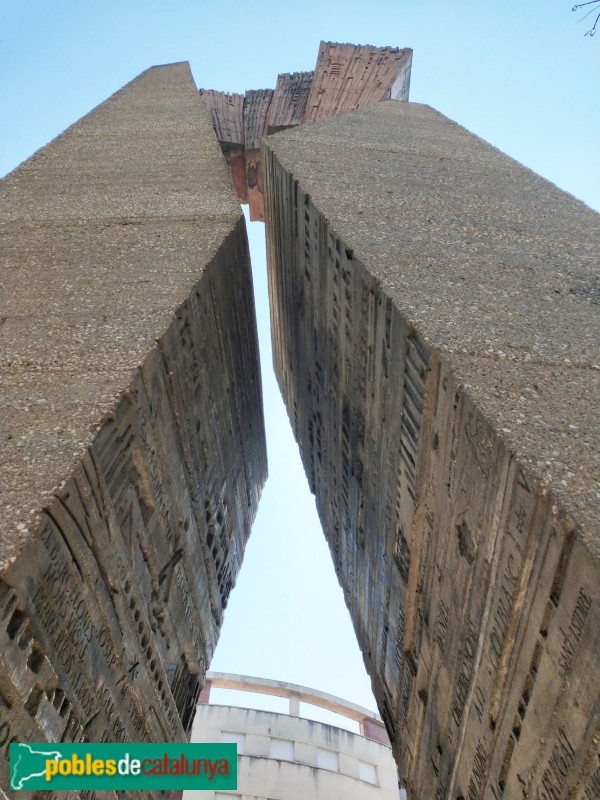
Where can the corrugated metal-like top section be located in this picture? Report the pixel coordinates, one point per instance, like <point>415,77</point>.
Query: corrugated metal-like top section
<point>347,76</point>
<point>352,76</point>
<point>226,112</point>
<point>256,108</point>
<point>289,101</point>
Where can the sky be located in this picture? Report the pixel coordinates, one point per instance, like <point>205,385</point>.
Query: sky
<point>521,75</point>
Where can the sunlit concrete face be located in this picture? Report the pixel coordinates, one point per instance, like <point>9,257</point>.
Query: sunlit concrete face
<point>435,335</point>
<point>134,450</point>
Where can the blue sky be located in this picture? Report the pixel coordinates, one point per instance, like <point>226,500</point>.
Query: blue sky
<point>519,74</point>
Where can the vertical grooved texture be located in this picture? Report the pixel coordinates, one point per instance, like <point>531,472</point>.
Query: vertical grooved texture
<point>134,451</point>
<point>429,319</point>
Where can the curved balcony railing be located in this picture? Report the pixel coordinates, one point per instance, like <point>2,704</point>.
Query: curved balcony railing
<point>370,724</point>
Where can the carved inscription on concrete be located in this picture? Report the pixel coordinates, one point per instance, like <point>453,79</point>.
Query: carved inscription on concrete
<point>135,450</point>
<point>425,381</point>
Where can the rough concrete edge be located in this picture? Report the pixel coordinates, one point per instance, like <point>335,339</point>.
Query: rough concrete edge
<point>59,136</point>
<point>309,125</point>
<point>16,540</point>
<point>566,513</point>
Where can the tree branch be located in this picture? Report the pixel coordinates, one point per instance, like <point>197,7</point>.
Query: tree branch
<point>592,30</point>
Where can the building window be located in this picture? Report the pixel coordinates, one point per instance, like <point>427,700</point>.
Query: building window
<point>281,749</point>
<point>230,737</point>
<point>327,759</point>
<point>367,772</point>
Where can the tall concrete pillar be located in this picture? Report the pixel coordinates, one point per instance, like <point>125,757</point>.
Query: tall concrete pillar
<point>436,338</point>
<point>133,438</point>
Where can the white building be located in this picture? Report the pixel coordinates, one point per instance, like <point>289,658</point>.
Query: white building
<point>289,757</point>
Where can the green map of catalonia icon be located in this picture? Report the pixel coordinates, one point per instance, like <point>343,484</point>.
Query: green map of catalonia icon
<point>27,762</point>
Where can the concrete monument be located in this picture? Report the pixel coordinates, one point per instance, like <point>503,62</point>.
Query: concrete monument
<point>436,335</point>
<point>434,310</point>
<point>133,439</point>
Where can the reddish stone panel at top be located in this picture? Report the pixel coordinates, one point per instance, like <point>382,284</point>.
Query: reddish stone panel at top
<point>226,112</point>
<point>256,109</point>
<point>347,76</point>
<point>236,161</point>
<point>374,730</point>
<point>204,696</point>
<point>289,101</point>
<point>256,200</point>
<point>352,76</point>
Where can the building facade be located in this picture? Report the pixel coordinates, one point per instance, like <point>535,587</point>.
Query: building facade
<point>288,756</point>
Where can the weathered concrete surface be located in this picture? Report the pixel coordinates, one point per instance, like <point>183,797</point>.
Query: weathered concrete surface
<point>288,105</point>
<point>347,76</point>
<point>133,439</point>
<point>256,107</point>
<point>226,112</point>
<point>436,337</point>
